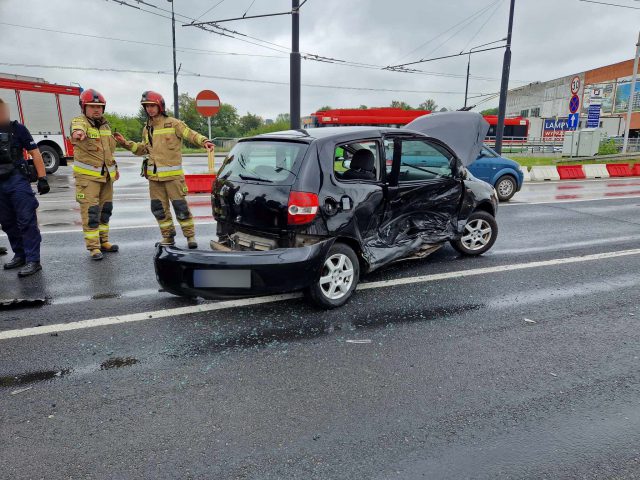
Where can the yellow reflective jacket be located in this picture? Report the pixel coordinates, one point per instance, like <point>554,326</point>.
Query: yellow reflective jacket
<point>162,141</point>
<point>93,157</point>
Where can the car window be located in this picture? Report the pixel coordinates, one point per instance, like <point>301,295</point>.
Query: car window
<point>366,165</point>
<point>422,160</point>
<point>267,161</point>
<point>488,153</point>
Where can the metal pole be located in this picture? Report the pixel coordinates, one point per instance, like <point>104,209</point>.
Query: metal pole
<point>504,85</point>
<point>632,92</point>
<point>209,122</point>
<point>295,74</point>
<point>176,111</point>
<point>466,88</point>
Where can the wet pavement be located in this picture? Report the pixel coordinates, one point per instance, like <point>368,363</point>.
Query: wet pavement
<point>527,369</point>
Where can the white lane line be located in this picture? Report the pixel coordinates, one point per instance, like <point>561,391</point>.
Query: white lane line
<point>174,312</point>
<point>546,202</point>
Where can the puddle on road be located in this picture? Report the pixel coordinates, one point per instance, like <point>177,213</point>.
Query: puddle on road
<point>118,362</point>
<point>16,303</point>
<point>31,377</point>
<point>11,381</point>
<point>103,296</point>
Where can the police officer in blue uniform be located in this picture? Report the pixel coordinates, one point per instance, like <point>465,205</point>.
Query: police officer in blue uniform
<point>18,203</point>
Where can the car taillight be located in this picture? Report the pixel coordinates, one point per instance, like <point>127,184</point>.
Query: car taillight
<point>302,207</point>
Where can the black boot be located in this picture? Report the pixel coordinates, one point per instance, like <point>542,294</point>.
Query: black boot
<point>17,262</point>
<point>29,269</point>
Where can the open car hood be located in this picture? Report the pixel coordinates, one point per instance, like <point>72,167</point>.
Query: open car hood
<point>463,132</point>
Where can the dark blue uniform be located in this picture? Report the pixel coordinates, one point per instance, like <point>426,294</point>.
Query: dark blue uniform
<point>18,203</point>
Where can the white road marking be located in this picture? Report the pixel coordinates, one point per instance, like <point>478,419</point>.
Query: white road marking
<point>210,307</point>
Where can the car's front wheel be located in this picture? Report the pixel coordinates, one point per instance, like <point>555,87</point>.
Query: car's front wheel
<point>338,278</point>
<point>479,234</point>
<point>506,187</point>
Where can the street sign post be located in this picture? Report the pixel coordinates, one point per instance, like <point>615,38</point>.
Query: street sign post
<point>573,120</point>
<point>574,103</point>
<point>593,113</point>
<point>208,105</point>
<point>575,85</point>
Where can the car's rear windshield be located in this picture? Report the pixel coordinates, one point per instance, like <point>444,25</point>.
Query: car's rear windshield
<point>264,161</point>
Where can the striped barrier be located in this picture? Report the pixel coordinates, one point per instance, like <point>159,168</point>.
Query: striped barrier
<point>598,170</point>
<point>578,172</point>
<point>570,172</point>
<point>542,173</point>
<point>619,170</point>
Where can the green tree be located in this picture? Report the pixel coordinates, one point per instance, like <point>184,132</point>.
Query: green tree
<point>249,122</point>
<point>283,117</point>
<point>363,107</point>
<point>326,107</point>
<point>428,104</point>
<point>128,126</point>
<point>401,104</point>
<point>226,123</point>
<point>490,111</point>
<point>190,116</point>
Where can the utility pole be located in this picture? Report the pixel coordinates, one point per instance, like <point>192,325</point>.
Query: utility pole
<point>632,92</point>
<point>294,73</point>
<point>466,87</point>
<point>176,111</point>
<point>504,85</point>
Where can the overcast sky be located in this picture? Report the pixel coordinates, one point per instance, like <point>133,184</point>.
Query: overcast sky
<point>552,38</point>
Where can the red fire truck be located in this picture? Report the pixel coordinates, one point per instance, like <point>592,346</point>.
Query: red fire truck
<point>46,109</point>
<point>516,129</point>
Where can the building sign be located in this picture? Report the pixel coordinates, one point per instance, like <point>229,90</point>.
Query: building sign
<point>600,93</point>
<point>623,96</point>
<point>555,128</point>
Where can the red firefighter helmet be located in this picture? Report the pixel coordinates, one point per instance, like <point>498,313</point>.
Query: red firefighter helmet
<point>153,98</point>
<point>91,97</point>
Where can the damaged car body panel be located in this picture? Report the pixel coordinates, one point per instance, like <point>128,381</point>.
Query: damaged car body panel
<point>324,205</point>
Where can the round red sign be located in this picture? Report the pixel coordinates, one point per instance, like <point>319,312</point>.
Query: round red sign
<point>207,103</point>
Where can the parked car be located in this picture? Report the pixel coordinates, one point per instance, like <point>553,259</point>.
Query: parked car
<point>501,172</point>
<point>316,209</point>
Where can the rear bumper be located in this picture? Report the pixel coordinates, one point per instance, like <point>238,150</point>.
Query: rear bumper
<point>216,275</point>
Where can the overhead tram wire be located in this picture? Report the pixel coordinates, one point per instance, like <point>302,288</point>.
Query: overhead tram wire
<point>211,9</point>
<point>223,31</point>
<point>470,17</point>
<point>611,4</point>
<point>491,15</point>
<point>139,42</point>
<point>220,77</point>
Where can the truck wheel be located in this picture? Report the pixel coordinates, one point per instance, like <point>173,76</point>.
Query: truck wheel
<point>479,234</point>
<point>338,278</point>
<point>50,157</point>
<point>506,188</point>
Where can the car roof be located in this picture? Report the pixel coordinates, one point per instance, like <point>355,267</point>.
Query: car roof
<point>311,134</point>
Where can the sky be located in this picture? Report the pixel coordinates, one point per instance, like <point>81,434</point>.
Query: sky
<point>551,38</point>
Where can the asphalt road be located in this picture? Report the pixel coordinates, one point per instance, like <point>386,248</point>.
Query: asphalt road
<point>523,363</point>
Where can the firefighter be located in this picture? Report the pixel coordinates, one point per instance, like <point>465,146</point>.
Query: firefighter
<point>18,204</point>
<point>162,138</point>
<point>95,170</point>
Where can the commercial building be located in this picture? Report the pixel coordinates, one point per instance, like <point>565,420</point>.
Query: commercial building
<point>546,104</point>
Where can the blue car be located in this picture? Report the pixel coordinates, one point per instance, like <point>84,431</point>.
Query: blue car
<point>504,174</point>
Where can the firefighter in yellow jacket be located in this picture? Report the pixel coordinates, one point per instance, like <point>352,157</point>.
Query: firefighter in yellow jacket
<point>162,138</point>
<point>95,170</point>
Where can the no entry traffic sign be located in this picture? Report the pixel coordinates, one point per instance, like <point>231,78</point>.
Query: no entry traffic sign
<point>574,104</point>
<point>207,103</point>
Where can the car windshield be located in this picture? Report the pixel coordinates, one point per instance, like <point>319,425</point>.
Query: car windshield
<point>264,161</point>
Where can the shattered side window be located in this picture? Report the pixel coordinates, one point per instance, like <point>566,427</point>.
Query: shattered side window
<point>357,161</point>
<point>421,160</point>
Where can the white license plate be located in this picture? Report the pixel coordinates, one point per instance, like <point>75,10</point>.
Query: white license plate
<point>222,278</point>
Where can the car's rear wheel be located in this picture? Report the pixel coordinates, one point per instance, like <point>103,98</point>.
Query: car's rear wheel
<point>506,187</point>
<point>479,234</point>
<point>338,278</point>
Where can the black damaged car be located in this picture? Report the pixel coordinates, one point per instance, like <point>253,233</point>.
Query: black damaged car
<point>314,210</point>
